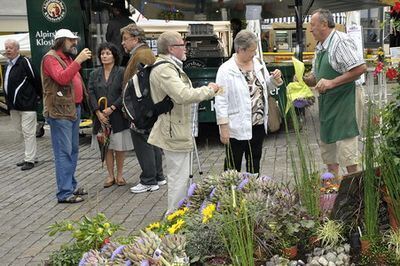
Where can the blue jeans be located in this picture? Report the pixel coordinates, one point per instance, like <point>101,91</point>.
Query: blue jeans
<point>65,141</point>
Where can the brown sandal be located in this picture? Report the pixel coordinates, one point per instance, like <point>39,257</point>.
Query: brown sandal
<point>108,183</point>
<point>121,182</point>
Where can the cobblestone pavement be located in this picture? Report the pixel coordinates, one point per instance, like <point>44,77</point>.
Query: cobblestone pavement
<point>28,204</point>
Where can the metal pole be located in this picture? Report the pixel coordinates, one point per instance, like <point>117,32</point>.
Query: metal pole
<point>299,29</point>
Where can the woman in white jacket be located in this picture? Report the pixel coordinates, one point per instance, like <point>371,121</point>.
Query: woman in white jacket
<point>242,110</point>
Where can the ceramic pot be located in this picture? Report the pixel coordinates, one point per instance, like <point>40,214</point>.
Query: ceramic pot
<point>290,253</point>
<point>365,245</point>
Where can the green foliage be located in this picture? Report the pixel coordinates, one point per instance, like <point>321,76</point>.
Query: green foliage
<point>203,239</point>
<point>237,231</point>
<point>378,254</point>
<point>305,174</point>
<point>66,255</point>
<point>391,125</point>
<point>89,233</point>
<point>392,238</point>
<point>330,233</point>
<point>371,183</point>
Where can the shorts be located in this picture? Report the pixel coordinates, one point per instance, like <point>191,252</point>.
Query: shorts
<point>343,152</point>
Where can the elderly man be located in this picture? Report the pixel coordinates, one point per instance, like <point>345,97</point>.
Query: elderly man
<point>336,67</point>
<point>22,87</point>
<point>172,131</point>
<point>64,92</point>
<point>149,156</point>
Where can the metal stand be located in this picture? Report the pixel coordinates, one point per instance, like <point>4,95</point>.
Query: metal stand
<point>195,129</point>
<point>191,162</point>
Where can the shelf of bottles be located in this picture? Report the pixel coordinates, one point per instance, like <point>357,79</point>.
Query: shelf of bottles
<point>339,18</point>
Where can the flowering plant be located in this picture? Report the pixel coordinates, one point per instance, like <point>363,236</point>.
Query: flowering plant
<point>172,224</point>
<point>381,66</point>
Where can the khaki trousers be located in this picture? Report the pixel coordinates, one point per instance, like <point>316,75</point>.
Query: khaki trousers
<point>177,169</point>
<point>24,122</point>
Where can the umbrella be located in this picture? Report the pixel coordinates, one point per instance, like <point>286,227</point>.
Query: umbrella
<point>103,136</point>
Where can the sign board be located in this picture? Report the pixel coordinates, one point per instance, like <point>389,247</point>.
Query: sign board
<point>355,33</point>
<point>45,17</point>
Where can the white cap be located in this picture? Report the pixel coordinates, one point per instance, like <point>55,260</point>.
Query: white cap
<point>64,33</point>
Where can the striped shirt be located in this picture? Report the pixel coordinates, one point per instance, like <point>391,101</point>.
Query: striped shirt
<point>342,52</point>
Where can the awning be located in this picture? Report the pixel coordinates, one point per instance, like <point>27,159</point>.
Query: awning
<point>164,9</point>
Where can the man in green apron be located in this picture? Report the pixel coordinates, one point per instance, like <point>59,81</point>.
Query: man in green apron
<point>336,67</point>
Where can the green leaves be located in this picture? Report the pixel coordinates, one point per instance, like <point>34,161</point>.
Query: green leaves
<point>88,233</point>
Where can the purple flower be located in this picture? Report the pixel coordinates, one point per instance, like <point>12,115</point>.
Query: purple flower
<point>82,262</point>
<point>203,205</point>
<point>265,178</point>
<point>218,206</point>
<point>181,202</point>
<point>243,183</point>
<point>145,263</point>
<point>327,176</point>
<point>128,263</point>
<point>191,190</point>
<point>300,103</point>
<point>117,251</point>
<point>212,193</point>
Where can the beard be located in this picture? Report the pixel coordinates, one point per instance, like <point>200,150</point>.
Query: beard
<point>72,51</point>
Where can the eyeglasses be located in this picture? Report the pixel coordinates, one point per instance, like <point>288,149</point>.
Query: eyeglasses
<point>179,45</point>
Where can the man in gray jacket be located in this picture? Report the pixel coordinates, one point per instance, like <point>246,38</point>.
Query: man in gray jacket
<point>172,131</point>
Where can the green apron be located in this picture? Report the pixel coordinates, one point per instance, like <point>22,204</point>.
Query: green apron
<point>337,111</point>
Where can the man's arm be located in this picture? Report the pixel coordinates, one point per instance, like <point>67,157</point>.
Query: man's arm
<point>63,77</point>
<point>351,75</point>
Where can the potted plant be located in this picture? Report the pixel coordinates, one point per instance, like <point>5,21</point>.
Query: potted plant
<point>329,233</point>
<point>392,238</point>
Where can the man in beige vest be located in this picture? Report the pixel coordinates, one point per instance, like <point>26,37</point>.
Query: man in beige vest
<point>63,94</point>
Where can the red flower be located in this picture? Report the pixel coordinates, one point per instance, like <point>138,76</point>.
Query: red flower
<point>391,73</point>
<point>378,68</point>
<point>396,8</point>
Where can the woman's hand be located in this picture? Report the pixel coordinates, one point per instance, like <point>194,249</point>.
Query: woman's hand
<point>224,133</point>
<point>108,111</point>
<point>102,118</point>
<point>277,75</point>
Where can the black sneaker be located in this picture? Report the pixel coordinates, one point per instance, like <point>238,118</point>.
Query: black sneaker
<point>23,162</point>
<point>27,166</point>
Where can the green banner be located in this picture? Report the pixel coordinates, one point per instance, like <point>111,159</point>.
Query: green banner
<point>45,17</point>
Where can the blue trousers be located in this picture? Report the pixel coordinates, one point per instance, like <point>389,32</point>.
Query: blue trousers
<point>65,142</point>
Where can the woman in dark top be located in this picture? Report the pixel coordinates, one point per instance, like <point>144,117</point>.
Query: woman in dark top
<point>106,81</point>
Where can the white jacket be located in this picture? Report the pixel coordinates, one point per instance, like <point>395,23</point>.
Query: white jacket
<point>234,105</point>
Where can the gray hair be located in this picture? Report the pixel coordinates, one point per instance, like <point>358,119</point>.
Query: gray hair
<point>326,16</point>
<point>244,39</point>
<point>13,42</point>
<point>166,39</point>
<point>134,31</point>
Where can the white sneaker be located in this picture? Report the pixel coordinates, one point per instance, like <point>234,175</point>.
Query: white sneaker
<point>139,188</point>
<point>162,182</point>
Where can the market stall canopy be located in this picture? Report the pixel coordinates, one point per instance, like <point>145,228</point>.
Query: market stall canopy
<point>186,10</point>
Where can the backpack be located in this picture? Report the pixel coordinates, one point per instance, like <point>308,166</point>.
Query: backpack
<point>138,105</point>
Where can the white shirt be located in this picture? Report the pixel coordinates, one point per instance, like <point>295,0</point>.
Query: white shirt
<point>10,64</point>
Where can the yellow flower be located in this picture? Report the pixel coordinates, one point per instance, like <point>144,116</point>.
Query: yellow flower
<point>208,212</point>
<point>176,226</point>
<point>177,213</point>
<point>152,226</point>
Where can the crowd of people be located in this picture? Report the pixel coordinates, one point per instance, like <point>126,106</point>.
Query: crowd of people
<point>241,91</point>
